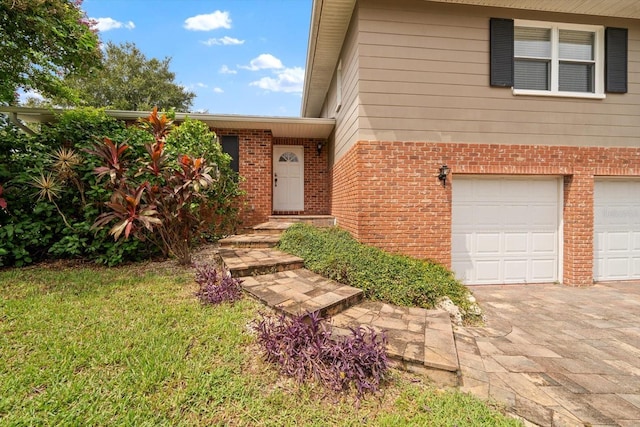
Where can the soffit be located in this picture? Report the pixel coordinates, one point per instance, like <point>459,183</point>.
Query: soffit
<point>287,127</point>
<point>613,8</point>
<point>329,24</point>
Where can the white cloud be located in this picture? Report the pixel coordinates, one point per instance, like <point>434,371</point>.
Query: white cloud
<point>289,80</point>
<point>218,90</point>
<point>263,62</point>
<point>25,95</point>
<point>208,22</point>
<point>201,85</point>
<point>106,24</point>
<point>226,41</point>
<point>226,70</point>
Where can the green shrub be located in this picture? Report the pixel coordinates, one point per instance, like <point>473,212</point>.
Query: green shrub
<point>59,225</point>
<point>395,279</point>
<point>220,211</point>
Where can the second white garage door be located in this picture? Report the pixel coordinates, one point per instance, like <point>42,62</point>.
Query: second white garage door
<point>506,230</point>
<point>616,230</point>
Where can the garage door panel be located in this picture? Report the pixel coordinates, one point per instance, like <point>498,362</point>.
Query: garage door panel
<point>544,243</point>
<point>462,242</point>
<point>616,229</point>
<point>513,216</point>
<point>544,215</point>
<point>515,270</point>
<point>487,244</point>
<point>485,217</point>
<point>599,244</point>
<point>486,271</point>
<point>514,228</point>
<point>617,241</point>
<point>544,270</point>
<point>516,243</point>
<point>487,190</point>
<point>617,268</point>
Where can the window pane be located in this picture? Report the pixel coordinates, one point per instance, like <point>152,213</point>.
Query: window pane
<point>576,45</point>
<point>532,42</point>
<point>530,74</point>
<point>231,146</point>
<point>575,77</point>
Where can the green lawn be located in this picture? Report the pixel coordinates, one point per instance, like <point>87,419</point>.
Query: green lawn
<point>132,346</point>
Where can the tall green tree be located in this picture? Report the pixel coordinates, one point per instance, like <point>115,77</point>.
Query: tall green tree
<point>41,43</point>
<point>128,80</point>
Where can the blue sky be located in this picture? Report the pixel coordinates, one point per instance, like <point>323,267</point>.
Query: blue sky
<point>238,56</point>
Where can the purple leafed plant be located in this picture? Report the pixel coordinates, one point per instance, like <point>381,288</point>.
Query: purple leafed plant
<point>303,347</point>
<point>216,287</point>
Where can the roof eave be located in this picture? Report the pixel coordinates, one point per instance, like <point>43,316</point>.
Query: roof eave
<point>329,24</point>
<point>292,127</point>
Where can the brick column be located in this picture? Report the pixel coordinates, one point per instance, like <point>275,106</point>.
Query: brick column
<point>578,229</point>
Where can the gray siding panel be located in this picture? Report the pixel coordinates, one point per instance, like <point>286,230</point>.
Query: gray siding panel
<point>346,131</point>
<point>424,75</point>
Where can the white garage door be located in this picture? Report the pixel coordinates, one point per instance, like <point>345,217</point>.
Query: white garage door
<point>616,230</point>
<point>505,230</point>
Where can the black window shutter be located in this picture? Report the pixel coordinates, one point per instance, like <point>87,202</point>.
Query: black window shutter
<point>501,52</point>
<point>615,69</point>
<point>231,146</point>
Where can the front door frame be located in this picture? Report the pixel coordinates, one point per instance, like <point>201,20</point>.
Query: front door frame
<point>288,202</point>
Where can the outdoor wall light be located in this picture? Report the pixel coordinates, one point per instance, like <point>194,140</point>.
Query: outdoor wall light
<point>442,175</point>
<point>319,148</point>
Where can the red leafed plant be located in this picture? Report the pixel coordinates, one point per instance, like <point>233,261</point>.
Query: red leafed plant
<point>155,201</point>
<point>3,202</point>
<point>130,211</point>
<point>158,125</point>
<point>112,155</point>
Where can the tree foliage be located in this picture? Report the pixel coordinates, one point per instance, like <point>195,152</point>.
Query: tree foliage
<point>42,42</point>
<point>128,80</point>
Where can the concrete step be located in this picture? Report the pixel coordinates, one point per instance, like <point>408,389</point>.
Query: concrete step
<point>301,292</point>
<point>419,340</point>
<point>317,220</point>
<point>242,262</point>
<point>272,227</point>
<point>250,241</point>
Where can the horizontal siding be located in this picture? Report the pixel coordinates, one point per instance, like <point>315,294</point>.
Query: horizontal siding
<point>346,133</point>
<point>424,75</point>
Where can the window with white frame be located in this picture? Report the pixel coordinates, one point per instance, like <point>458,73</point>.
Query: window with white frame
<point>550,58</point>
<point>558,58</point>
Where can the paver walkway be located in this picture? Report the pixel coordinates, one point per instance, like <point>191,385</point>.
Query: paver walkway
<point>557,355</point>
<point>418,340</point>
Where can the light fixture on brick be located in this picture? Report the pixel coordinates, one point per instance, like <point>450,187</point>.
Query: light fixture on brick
<point>319,147</point>
<point>442,176</point>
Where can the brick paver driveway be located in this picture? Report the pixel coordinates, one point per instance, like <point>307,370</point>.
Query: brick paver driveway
<point>557,355</point>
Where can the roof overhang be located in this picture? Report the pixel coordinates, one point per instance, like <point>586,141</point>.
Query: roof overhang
<point>329,24</point>
<point>612,8</point>
<point>290,127</point>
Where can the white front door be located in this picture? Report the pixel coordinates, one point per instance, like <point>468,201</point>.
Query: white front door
<point>616,230</point>
<point>288,178</point>
<point>505,229</point>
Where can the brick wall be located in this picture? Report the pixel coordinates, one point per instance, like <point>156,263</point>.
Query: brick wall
<point>345,192</point>
<point>256,166</point>
<point>388,194</point>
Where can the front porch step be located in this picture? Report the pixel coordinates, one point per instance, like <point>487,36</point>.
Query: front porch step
<point>301,292</point>
<point>272,227</point>
<point>317,220</point>
<point>259,241</point>
<point>419,340</point>
<point>243,262</point>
